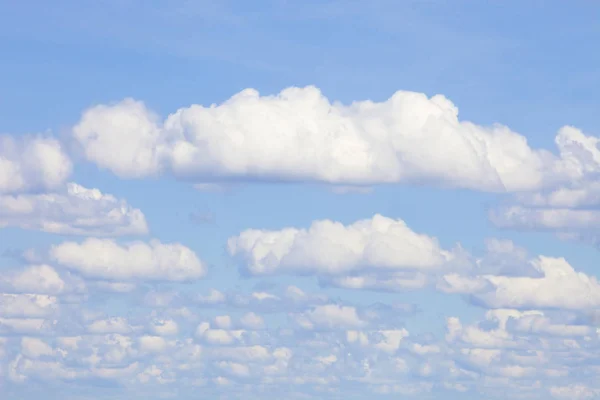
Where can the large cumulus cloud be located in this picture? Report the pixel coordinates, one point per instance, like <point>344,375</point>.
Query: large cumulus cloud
<point>300,135</point>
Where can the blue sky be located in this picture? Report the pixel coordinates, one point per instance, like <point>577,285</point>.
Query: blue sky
<point>317,199</point>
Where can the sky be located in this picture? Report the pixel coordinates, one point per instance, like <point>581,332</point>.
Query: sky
<point>317,199</point>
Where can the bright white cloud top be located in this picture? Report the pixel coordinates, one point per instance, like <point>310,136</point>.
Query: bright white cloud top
<point>300,135</point>
<point>331,248</point>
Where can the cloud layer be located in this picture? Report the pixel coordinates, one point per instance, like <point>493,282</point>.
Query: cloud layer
<point>106,311</point>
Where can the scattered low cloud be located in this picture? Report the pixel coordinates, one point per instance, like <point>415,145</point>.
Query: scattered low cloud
<point>332,248</point>
<point>30,163</point>
<point>106,259</point>
<point>75,210</point>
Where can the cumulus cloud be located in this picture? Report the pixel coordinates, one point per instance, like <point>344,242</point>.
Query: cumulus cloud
<point>331,248</point>
<point>568,208</point>
<point>163,327</point>
<point>223,321</point>
<point>252,321</point>
<point>32,163</point>
<point>342,349</point>
<point>35,348</point>
<point>540,324</point>
<point>509,330</point>
<point>106,259</point>
<point>386,340</point>
<point>330,316</point>
<point>118,325</point>
<point>74,210</point>
<point>561,215</point>
<point>329,346</point>
<point>523,349</point>
<point>152,344</point>
<point>27,305</point>
<point>408,137</point>
<point>41,279</point>
<point>559,286</point>
<point>219,336</point>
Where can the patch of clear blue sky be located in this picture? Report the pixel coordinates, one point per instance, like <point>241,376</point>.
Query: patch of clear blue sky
<point>530,65</point>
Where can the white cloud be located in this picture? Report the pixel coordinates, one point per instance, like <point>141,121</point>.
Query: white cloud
<point>477,356</point>
<point>331,248</point>
<point>155,374</point>
<point>34,347</point>
<point>25,325</point>
<point>581,194</point>
<point>386,340</point>
<point>262,296</point>
<point>252,321</point>
<point>480,338</point>
<point>223,321</point>
<point>519,345</point>
<point>118,325</point>
<point>152,344</point>
<point>421,349</point>
<point>112,373</point>
<point>540,324</point>
<point>233,368</point>
<point>562,219</point>
<point>40,279</point>
<point>559,286</point>
<point>27,305</point>
<point>581,152</point>
<point>32,163</point>
<point>569,207</point>
<point>574,392</point>
<point>295,293</point>
<point>106,259</point>
<point>218,336</point>
<point>330,316</point>
<point>22,368</point>
<point>408,137</point>
<point>73,210</point>
<point>165,327</point>
<point>391,339</point>
<point>327,360</point>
